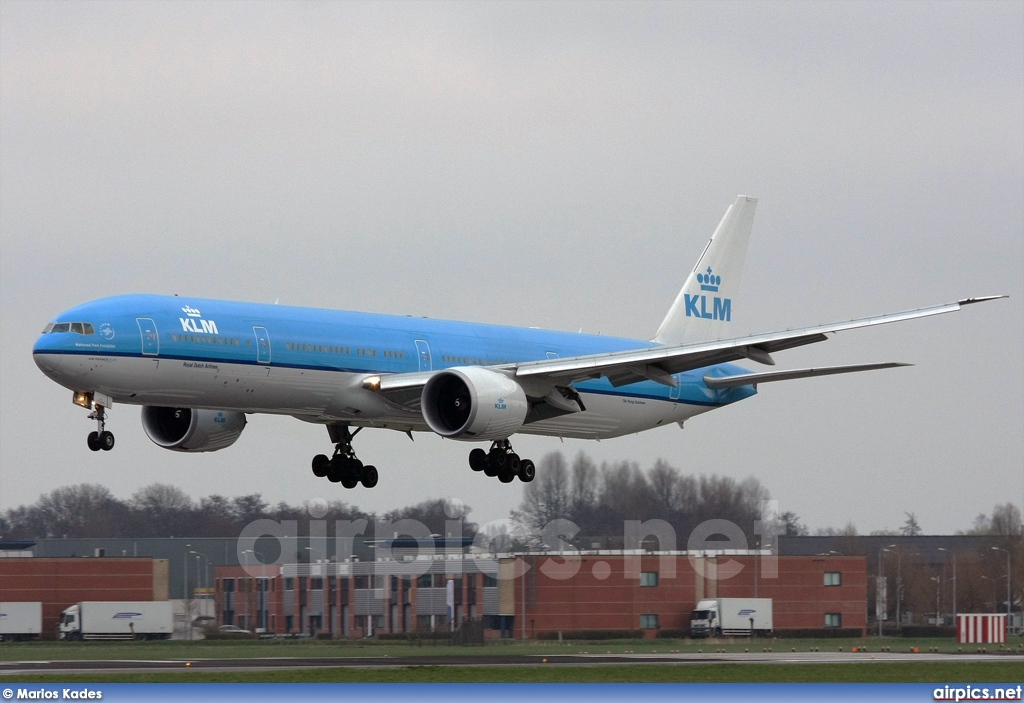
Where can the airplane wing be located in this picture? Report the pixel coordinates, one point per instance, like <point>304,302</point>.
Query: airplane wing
<point>659,363</point>
<point>550,378</point>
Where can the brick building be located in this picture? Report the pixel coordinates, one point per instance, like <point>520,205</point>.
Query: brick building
<point>581,591</point>
<point>61,582</point>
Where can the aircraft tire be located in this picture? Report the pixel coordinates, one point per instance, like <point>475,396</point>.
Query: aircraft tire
<point>369,479</point>
<point>527,471</point>
<point>506,475</point>
<point>106,440</point>
<point>514,463</point>
<point>491,468</point>
<point>93,441</point>
<point>478,459</point>
<point>499,458</point>
<point>334,470</point>
<point>321,465</point>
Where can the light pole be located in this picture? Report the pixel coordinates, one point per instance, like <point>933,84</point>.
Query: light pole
<point>204,582</point>
<point>995,604</point>
<point>879,580</point>
<point>314,549</point>
<point>938,585</point>
<point>953,554</point>
<point>188,606</point>
<point>899,586</point>
<point>1000,549</point>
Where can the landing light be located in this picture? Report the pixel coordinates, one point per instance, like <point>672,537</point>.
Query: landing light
<point>372,383</point>
<point>83,399</point>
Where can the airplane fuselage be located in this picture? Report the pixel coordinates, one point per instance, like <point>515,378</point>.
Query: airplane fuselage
<point>311,363</point>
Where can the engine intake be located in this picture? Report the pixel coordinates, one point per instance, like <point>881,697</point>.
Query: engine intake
<point>473,404</point>
<point>192,430</point>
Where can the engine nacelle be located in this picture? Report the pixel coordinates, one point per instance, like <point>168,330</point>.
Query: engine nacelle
<point>191,430</point>
<point>472,403</point>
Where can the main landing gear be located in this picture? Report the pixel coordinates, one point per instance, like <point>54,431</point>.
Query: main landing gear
<point>502,462</point>
<point>101,438</point>
<point>344,467</point>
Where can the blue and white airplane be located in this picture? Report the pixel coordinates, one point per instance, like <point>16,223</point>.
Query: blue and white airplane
<point>199,366</point>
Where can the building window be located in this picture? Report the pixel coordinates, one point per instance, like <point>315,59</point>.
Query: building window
<point>833,578</point>
<point>316,584</point>
<point>361,583</point>
<point>424,581</point>
<point>289,583</point>
<point>833,619</point>
<point>490,581</point>
<point>649,622</point>
<point>649,578</point>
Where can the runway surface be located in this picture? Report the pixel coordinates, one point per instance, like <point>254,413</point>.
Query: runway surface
<point>16,668</point>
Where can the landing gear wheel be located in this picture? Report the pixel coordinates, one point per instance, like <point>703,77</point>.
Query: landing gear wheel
<point>94,441</point>
<point>478,459</point>
<point>344,467</point>
<point>506,475</point>
<point>527,471</point>
<point>369,476</point>
<point>491,467</point>
<point>106,440</point>
<point>334,470</point>
<point>513,463</point>
<point>321,465</point>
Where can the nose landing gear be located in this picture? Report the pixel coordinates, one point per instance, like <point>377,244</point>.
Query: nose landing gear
<point>344,467</point>
<point>101,438</point>
<point>502,462</point>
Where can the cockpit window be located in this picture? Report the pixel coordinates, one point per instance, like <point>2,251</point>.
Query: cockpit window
<point>76,327</point>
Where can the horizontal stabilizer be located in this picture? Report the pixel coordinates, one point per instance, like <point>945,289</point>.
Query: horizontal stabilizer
<point>747,379</point>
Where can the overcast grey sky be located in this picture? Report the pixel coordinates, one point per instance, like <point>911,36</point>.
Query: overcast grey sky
<point>549,164</point>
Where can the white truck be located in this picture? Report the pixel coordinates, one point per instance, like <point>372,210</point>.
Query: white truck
<point>746,617</point>
<point>117,620</point>
<point>20,621</point>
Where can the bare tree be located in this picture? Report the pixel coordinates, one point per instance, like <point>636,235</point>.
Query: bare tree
<point>910,527</point>
<point>1006,520</point>
<point>546,498</point>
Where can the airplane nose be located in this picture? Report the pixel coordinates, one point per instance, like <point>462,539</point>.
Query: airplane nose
<point>47,363</point>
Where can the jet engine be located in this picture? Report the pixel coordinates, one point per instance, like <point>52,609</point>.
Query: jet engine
<point>192,430</point>
<point>472,403</point>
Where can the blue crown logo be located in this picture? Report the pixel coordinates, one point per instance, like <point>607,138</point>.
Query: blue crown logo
<point>709,281</point>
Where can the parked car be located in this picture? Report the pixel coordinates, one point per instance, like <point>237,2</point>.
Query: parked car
<point>233,630</point>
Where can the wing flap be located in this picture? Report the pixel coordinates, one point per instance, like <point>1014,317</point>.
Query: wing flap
<point>747,379</point>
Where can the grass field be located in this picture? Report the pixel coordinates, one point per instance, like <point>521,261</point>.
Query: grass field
<point>863,672</point>
<point>860,668</point>
<point>230,649</point>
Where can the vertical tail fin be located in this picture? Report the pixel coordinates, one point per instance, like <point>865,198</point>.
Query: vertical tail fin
<point>703,309</point>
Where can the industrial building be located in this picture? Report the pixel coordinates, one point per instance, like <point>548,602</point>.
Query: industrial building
<point>60,582</point>
<point>537,594</point>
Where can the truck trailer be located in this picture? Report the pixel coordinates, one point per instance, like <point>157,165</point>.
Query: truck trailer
<point>746,617</point>
<point>20,621</point>
<point>117,620</point>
